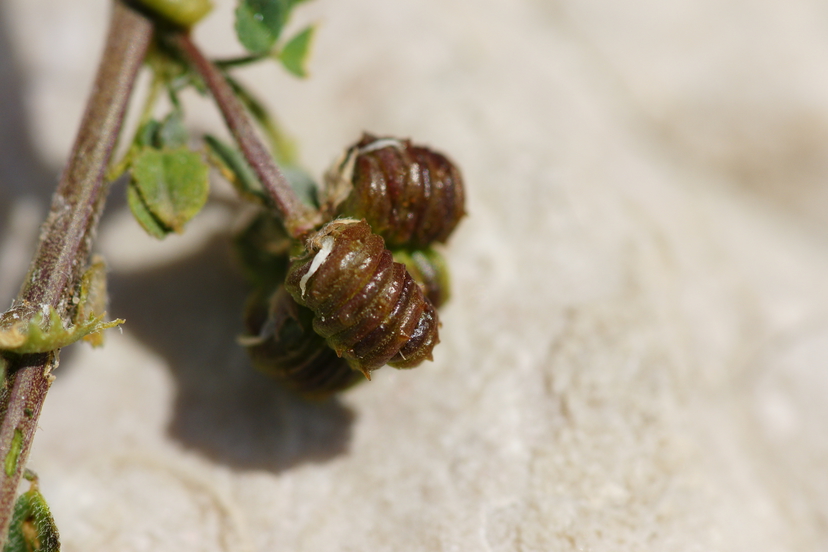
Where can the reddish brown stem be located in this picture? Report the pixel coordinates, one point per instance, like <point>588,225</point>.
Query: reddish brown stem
<point>66,238</point>
<point>298,218</point>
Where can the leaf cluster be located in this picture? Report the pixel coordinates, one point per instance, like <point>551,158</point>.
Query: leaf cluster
<point>259,25</point>
<point>168,177</point>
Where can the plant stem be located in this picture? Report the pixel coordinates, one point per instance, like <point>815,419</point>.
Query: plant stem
<point>65,240</point>
<point>239,61</point>
<point>298,219</point>
<point>116,169</point>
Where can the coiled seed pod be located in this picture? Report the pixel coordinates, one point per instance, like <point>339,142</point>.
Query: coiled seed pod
<point>366,306</point>
<point>410,195</point>
<point>281,343</point>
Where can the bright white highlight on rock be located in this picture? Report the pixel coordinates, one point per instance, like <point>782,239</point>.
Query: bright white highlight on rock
<point>327,247</point>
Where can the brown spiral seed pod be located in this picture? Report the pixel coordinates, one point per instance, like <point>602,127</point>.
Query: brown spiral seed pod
<point>410,195</point>
<point>282,344</point>
<point>367,307</point>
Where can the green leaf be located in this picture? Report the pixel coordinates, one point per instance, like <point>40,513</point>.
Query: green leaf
<point>32,527</point>
<point>295,53</point>
<point>259,23</point>
<point>142,214</point>
<point>45,332</point>
<point>173,185</point>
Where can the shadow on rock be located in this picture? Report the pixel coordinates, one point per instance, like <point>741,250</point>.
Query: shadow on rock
<point>190,313</point>
<point>22,172</point>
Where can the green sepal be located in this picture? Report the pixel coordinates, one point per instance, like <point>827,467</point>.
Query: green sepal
<point>173,186</point>
<point>294,54</point>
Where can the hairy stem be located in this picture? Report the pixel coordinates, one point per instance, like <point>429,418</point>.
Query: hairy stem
<point>65,240</point>
<point>298,218</point>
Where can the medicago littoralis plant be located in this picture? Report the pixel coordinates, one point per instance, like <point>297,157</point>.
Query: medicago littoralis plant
<point>347,276</point>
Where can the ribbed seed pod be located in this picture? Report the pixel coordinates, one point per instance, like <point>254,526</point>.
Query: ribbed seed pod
<point>429,269</point>
<point>366,306</point>
<point>282,344</point>
<point>410,195</point>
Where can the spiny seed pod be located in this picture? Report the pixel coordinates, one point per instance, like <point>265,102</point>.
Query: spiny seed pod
<point>410,195</point>
<point>281,343</point>
<point>366,306</point>
<point>429,269</point>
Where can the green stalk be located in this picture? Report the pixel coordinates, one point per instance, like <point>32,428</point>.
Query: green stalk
<point>297,218</point>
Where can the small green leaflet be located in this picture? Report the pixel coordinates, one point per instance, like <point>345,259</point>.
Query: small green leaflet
<point>168,188</point>
<point>259,22</point>
<point>295,53</point>
<point>32,527</point>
